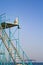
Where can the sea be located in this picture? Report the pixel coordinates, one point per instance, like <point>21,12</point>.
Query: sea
<point>36,63</point>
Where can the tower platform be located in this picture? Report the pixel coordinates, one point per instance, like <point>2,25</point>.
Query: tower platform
<point>8,25</point>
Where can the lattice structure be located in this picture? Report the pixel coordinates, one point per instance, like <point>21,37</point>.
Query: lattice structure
<point>10,49</point>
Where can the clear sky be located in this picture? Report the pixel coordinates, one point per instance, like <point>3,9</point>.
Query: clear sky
<point>30,13</point>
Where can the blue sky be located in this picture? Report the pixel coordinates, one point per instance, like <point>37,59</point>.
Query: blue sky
<point>30,13</point>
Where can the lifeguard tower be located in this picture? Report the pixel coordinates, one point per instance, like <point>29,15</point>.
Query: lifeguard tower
<point>11,52</point>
